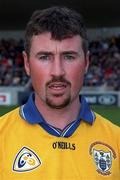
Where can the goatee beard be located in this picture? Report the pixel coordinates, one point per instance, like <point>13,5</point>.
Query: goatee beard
<point>50,97</point>
<point>53,105</point>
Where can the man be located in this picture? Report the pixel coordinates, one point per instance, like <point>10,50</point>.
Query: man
<point>56,135</point>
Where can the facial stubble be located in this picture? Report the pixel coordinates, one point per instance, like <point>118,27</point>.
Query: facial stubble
<point>59,100</point>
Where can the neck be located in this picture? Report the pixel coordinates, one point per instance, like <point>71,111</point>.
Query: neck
<point>59,118</point>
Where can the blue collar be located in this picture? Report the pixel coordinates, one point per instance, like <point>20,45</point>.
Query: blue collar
<point>30,113</point>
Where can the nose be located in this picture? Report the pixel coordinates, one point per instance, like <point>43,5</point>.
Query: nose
<point>57,68</point>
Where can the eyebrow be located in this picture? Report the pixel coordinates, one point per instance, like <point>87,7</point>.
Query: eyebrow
<point>62,53</point>
<point>70,52</point>
<point>44,52</point>
<point>38,54</point>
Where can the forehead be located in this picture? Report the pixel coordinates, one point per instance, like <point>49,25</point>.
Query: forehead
<point>43,42</point>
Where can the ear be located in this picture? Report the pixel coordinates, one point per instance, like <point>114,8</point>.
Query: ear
<point>87,61</point>
<point>26,63</point>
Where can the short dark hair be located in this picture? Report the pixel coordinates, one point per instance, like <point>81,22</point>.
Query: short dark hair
<point>61,22</point>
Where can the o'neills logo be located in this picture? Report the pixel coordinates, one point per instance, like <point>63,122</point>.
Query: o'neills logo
<point>63,145</point>
<point>103,155</point>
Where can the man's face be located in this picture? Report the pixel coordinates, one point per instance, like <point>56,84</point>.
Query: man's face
<point>56,69</point>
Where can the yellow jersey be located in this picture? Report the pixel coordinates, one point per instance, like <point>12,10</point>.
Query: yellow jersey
<point>29,151</point>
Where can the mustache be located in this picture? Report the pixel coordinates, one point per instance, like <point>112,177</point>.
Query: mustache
<point>58,79</point>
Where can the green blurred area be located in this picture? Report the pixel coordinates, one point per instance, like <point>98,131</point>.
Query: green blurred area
<point>5,109</point>
<point>110,112</point>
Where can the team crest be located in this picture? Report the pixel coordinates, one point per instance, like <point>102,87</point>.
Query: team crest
<point>103,160</point>
<point>103,155</point>
<point>26,160</point>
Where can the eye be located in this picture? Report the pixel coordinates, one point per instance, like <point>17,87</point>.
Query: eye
<point>44,57</point>
<point>69,57</point>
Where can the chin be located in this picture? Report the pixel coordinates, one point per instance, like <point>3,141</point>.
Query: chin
<point>58,105</point>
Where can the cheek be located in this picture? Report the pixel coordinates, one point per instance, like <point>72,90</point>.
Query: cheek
<point>77,73</point>
<point>38,77</point>
<point>76,77</point>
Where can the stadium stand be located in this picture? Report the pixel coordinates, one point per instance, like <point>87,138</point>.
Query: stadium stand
<point>11,63</point>
<point>104,67</point>
<point>104,63</point>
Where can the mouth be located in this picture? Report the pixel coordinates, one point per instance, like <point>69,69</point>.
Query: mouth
<point>57,87</point>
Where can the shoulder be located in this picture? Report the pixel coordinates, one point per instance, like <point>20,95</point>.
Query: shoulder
<point>106,132</point>
<point>10,114</point>
<point>106,125</point>
<point>9,118</point>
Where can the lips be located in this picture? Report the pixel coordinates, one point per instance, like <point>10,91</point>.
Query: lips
<point>57,88</point>
<point>57,85</point>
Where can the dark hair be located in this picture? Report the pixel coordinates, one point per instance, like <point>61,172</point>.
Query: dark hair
<point>61,22</point>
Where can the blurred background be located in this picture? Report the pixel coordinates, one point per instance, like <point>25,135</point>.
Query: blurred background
<point>102,82</point>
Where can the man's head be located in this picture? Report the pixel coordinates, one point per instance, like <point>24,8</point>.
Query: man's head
<point>61,22</point>
<point>56,56</point>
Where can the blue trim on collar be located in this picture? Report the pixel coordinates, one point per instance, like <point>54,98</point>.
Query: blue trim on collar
<point>86,113</point>
<point>30,113</point>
